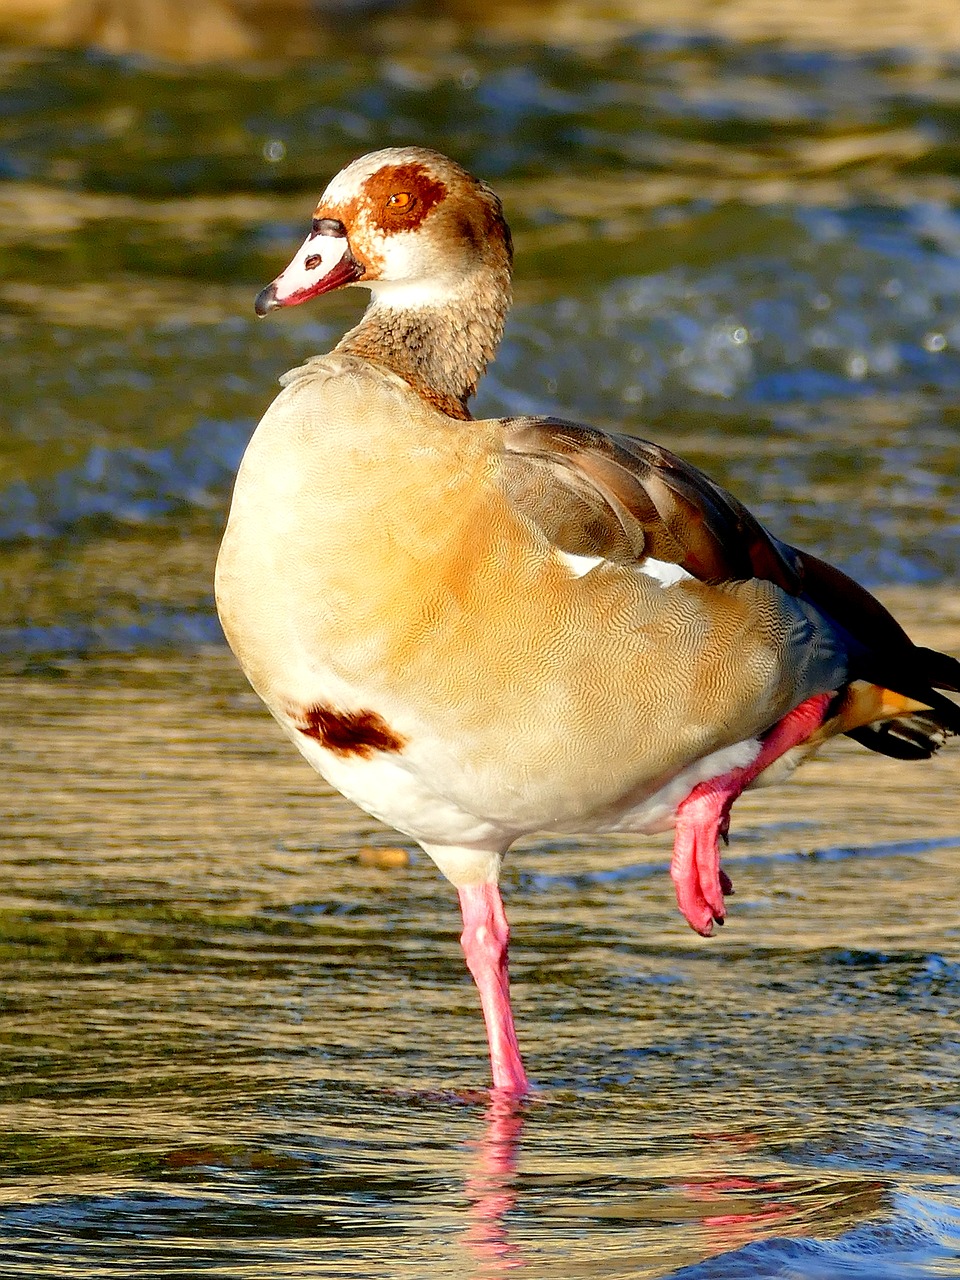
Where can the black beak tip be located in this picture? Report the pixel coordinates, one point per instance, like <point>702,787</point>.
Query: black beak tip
<point>266,300</point>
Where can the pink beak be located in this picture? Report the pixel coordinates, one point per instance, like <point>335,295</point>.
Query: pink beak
<point>322,263</point>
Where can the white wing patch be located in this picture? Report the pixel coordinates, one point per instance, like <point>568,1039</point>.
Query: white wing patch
<point>579,566</point>
<point>661,571</point>
<point>664,572</point>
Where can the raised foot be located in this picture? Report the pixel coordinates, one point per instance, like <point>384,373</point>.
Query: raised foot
<point>703,819</point>
<point>695,868</point>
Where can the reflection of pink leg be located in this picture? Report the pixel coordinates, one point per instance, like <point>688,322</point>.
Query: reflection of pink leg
<point>485,938</point>
<point>705,815</point>
<point>490,1188</point>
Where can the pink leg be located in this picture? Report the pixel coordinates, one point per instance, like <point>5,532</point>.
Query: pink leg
<point>705,816</point>
<point>485,939</point>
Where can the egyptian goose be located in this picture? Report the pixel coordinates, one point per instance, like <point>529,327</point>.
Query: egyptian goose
<point>479,629</point>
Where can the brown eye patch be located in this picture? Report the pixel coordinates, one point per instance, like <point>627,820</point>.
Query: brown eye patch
<point>403,195</point>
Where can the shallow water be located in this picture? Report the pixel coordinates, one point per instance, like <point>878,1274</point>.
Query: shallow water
<point>230,1046</point>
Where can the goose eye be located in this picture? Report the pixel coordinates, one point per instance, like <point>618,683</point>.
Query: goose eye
<point>400,200</point>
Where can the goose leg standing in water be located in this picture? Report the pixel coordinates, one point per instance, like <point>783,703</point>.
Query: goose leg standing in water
<point>480,629</point>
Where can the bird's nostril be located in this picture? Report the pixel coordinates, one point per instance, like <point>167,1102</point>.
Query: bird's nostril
<point>311,263</point>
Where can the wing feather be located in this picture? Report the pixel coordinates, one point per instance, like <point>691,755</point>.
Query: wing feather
<point>626,499</point>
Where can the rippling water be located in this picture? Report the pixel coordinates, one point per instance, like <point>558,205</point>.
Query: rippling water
<point>233,1046</point>
<point>747,252</point>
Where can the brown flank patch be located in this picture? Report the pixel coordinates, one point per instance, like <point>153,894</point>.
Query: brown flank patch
<point>350,733</point>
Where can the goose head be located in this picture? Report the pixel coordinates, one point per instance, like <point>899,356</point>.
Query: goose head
<point>409,224</point>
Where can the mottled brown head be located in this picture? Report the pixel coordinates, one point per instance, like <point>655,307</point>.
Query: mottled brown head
<point>407,223</point>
